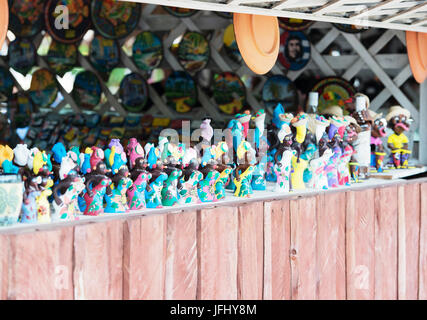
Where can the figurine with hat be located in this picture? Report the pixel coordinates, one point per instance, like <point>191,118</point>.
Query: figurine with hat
<point>378,132</point>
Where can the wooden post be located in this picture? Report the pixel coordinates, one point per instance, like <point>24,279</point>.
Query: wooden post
<point>423,123</point>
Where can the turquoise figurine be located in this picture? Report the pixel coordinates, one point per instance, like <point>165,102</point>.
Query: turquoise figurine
<point>189,184</point>
<point>206,189</point>
<point>153,194</point>
<point>116,201</point>
<point>140,178</point>
<point>170,195</point>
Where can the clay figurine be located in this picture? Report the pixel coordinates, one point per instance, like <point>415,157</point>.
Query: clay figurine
<point>398,119</point>
<point>153,194</point>
<point>319,179</point>
<point>244,171</point>
<point>378,132</point>
<point>97,185</point>
<point>170,195</point>
<point>134,151</point>
<point>283,171</point>
<point>116,201</point>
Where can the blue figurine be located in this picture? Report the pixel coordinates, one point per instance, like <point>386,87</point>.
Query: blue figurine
<point>153,194</point>
<point>59,152</point>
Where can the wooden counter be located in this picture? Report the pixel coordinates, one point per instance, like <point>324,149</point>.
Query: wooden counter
<point>368,241</point>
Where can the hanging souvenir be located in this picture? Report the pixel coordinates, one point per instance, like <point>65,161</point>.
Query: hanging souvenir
<point>349,28</point>
<point>295,50</point>
<point>180,12</point>
<point>333,91</point>
<point>22,55</point>
<point>134,92</point>
<point>115,19</point>
<point>43,88</point>
<point>26,17</point>
<point>229,92</point>
<point>292,24</point>
<point>181,91</point>
<point>147,51</point>
<point>193,52</point>
<point>104,54</point>
<point>87,90</point>
<point>61,57</point>
<point>78,20</point>
<point>279,89</point>
<point>6,82</point>
<point>230,44</point>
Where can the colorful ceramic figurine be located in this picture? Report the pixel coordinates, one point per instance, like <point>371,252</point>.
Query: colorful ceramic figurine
<point>259,121</point>
<point>6,158</point>
<point>188,184</point>
<point>244,119</point>
<point>206,189</point>
<point>116,200</point>
<point>244,171</point>
<point>398,120</point>
<point>115,157</point>
<point>153,194</point>
<point>336,128</point>
<point>224,170</point>
<point>29,207</point>
<point>319,180</point>
<point>97,185</point>
<point>170,194</point>
<point>134,151</point>
<point>378,132</point>
<point>283,171</point>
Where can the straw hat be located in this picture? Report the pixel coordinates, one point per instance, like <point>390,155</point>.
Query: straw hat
<point>397,110</point>
<point>375,115</point>
<point>333,111</point>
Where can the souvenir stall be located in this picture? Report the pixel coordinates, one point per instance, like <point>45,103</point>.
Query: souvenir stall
<point>213,150</point>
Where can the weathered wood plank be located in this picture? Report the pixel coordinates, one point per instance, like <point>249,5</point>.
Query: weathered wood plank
<point>181,256</point>
<point>303,249</point>
<point>98,258</point>
<point>360,253</point>
<point>144,258</point>
<point>40,265</point>
<point>331,246</point>
<point>4,266</point>
<point>386,243</point>
<point>408,240</point>
<point>277,241</point>
<point>217,253</point>
<point>250,265</point>
<point>423,244</point>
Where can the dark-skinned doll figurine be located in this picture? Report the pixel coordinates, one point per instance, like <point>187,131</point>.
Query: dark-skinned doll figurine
<point>140,177</point>
<point>244,171</point>
<point>399,119</point>
<point>97,186</point>
<point>350,135</point>
<point>42,166</point>
<point>378,131</point>
<point>335,133</point>
<point>116,201</point>
<point>299,164</point>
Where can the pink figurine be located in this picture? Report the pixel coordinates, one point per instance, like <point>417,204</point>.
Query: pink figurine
<point>134,151</point>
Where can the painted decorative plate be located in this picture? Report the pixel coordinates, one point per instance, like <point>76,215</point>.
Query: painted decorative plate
<point>26,17</point>
<point>22,55</point>
<point>180,12</point>
<point>20,109</point>
<point>349,28</point>
<point>43,88</point>
<point>104,54</point>
<point>115,19</point>
<point>226,15</point>
<point>6,82</point>
<point>229,92</point>
<point>295,50</point>
<point>61,57</point>
<point>87,90</point>
<point>333,91</point>
<point>230,45</point>
<point>280,89</point>
<point>193,52</point>
<point>134,92</point>
<point>147,51</point>
<point>292,24</point>
<point>78,23</point>
<point>181,92</point>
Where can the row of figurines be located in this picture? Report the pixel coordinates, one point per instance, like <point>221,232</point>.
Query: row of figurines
<point>301,151</point>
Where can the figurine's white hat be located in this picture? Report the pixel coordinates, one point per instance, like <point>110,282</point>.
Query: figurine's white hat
<point>375,115</point>
<point>395,111</point>
<point>334,111</point>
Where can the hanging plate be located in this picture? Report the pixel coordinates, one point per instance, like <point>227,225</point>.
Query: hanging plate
<point>333,91</point>
<point>295,50</point>
<point>6,82</point>
<point>230,45</point>
<point>25,17</point>
<point>115,19</point>
<point>147,51</point>
<point>179,12</point>
<point>292,24</point>
<point>87,90</point>
<point>22,55</point>
<point>134,93</point>
<point>43,88</point>
<point>78,21</point>
<point>181,92</point>
<point>61,57</point>
<point>349,28</point>
<point>279,89</point>
<point>193,52</point>
<point>104,54</point>
<point>229,92</point>
<point>20,109</point>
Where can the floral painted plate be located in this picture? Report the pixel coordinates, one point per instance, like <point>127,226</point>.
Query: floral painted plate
<point>79,20</point>
<point>134,93</point>
<point>279,89</point>
<point>181,92</point>
<point>147,51</point>
<point>230,45</point>
<point>22,55</point>
<point>115,19</point>
<point>104,54</point>
<point>6,82</point>
<point>295,50</point>
<point>180,12</point>
<point>87,90</point>
<point>193,52</point>
<point>26,17</point>
<point>43,88</point>
<point>229,92</point>
<point>61,57</point>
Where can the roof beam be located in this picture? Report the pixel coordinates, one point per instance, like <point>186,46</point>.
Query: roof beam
<point>404,13</point>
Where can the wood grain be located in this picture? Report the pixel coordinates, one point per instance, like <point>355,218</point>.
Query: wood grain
<point>4,266</point>
<point>250,267</point>
<point>360,252</point>
<point>304,274</point>
<point>98,258</point>
<point>41,265</point>
<point>217,231</point>
<point>423,244</point>
<point>277,241</point>
<point>181,256</point>
<point>144,258</point>
<point>408,240</point>
<point>386,232</point>
<point>331,246</point>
